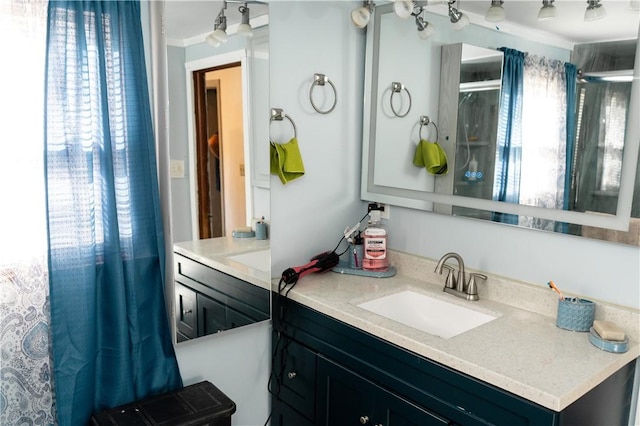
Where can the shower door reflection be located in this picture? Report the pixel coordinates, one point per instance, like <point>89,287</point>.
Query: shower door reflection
<point>478,108</point>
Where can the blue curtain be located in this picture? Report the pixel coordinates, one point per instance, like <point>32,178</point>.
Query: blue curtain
<point>571,74</point>
<point>506,185</point>
<point>110,332</point>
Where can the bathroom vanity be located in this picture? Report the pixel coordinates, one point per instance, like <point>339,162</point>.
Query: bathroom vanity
<point>220,284</point>
<point>339,364</point>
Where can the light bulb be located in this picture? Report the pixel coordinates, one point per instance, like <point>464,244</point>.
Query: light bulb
<point>461,23</point>
<point>220,35</point>
<point>595,11</point>
<point>245,30</point>
<point>427,32</point>
<point>547,11</point>
<point>403,8</point>
<point>495,13</point>
<point>212,41</point>
<point>360,16</point>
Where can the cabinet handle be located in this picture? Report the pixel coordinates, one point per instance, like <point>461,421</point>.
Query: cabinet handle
<point>291,374</point>
<point>364,420</point>
<point>187,311</point>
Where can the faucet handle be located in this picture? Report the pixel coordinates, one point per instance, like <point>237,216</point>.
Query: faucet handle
<point>450,281</point>
<point>472,287</point>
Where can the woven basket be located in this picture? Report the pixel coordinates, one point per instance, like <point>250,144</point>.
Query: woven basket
<point>575,314</point>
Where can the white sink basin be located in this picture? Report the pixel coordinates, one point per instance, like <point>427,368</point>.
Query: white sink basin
<point>431,315</point>
<point>260,260</point>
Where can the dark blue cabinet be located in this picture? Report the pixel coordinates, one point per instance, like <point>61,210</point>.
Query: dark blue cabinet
<point>346,398</point>
<point>362,379</point>
<point>208,301</point>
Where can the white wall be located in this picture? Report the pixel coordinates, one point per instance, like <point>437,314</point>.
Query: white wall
<point>237,362</point>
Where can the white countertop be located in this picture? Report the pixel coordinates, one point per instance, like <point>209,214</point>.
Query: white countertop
<point>522,351</point>
<point>218,253</point>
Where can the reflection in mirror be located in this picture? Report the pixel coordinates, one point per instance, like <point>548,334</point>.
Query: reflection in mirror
<point>218,117</point>
<point>219,154</point>
<point>554,168</point>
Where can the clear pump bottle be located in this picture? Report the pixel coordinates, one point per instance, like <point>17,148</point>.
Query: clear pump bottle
<point>375,244</point>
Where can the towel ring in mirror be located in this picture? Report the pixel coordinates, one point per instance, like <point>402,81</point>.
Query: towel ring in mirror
<point>321,80</point>
<point>277,114</point>
<point>397,88</point>
<point>424,122</point>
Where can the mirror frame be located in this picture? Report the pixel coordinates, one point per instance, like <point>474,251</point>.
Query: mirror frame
<point>420,200</point>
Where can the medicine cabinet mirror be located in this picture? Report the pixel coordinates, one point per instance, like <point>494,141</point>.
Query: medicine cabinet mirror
<point>217,98</point>
<point>455,80</point>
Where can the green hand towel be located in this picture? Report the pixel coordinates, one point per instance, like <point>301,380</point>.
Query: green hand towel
<point>286,161</point>
<point>431,156</point>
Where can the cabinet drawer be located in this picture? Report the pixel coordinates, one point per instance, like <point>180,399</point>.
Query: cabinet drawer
<point>250,300</point>
<point>185,306</point>
<point>295,375</point>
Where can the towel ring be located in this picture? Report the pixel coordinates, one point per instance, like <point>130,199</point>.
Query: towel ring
<point>321,80</point>
<point>397,88</point>
<point>278,114</point>
<point>424,122</point>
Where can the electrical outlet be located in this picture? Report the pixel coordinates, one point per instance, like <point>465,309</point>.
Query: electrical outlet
<point>385,211</point>
<point>177,168</point>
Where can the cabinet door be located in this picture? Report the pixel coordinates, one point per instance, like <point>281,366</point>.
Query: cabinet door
<point>344,398</point>
<point>293,380</point>
<point>347,399</point>
<point>185,312</point>
<point>212,316</point>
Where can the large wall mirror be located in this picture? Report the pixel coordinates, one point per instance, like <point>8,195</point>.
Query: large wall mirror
<point>539,166</point>
<point>218,115</point>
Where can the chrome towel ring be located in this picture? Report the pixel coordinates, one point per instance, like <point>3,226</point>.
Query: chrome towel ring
<point>321,80</point>
<point>424,122</point>
<point>278,114</point>
<point>397,88</point>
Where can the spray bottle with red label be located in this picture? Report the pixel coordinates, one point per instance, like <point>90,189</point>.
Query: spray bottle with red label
<point>375,242</point>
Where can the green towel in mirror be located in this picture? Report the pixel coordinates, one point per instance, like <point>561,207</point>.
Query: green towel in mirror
<point>432,157</point>
<point>286,161</point>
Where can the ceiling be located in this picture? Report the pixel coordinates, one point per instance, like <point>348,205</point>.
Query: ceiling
<point>189,18</point>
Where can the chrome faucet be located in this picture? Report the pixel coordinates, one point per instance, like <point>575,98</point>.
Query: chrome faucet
<point>457,285</point>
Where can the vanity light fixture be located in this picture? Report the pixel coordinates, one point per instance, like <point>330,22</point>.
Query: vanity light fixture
<point>458,19</point>
<point>403,9</point>
<point>547,11</point>
<point>361,15</point>
<point>245,27</point>
<point>495,13</point>
<point>595,11</point>
<point>219,35</point>
<point>425,28</point>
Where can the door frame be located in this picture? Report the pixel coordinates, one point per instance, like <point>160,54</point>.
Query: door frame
<point>201,64</point>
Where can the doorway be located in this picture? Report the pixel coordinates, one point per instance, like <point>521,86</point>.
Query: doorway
<point>220,177</point>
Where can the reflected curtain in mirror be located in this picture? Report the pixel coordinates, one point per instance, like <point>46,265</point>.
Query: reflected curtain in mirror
<point>533,162</point>
<point>111,338</point>
<point>509,144</point>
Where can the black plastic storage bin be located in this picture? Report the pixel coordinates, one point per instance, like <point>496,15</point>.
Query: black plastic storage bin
<point>196,405</point>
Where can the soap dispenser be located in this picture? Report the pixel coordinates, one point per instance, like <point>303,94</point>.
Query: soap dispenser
<point>472,171</point>
<point>375,243</point>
